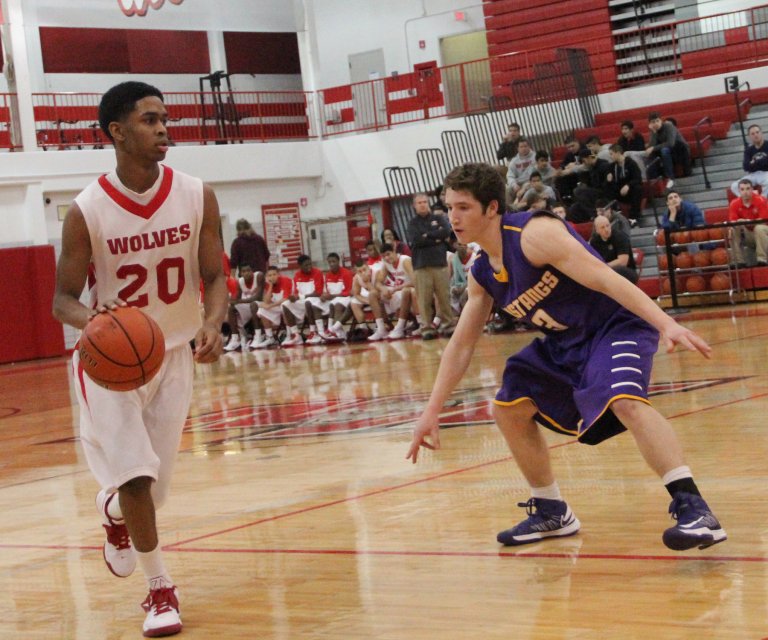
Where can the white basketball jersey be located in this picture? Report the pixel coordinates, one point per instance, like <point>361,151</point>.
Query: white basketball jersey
<point>245,289</point>
<point>145,248</point>
<point>397,275</point>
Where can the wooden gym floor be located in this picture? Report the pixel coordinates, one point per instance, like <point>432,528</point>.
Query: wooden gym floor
<point>295,514</point>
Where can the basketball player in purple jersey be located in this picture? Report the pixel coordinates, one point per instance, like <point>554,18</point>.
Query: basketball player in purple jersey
<point>587,377</point>
<point>142,235</point>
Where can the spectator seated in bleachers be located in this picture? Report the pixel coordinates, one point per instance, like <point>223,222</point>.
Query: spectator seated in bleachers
<point>592,186</point>
<point>365,297</point>
<point>332,303</point>
<point>545,169</point>
<point>630,140</point>
<point>681,214</point>
<point>755,160</point>
<point>508,147</point>
<point>567,177</point>
<point>669,146</point>
<point>536,186</point>
<point>599,149</point>
<point>520,169</point>
<point>625,182</point>
<point>307,283</point>
<point>749,206</point>
<point>615,248</point>
<point>277,288</point>
<point>243,308</point>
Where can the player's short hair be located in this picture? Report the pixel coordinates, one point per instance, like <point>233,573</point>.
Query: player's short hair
<point>302,259</point>
<point>121,99</point>
<point>244,265</point>
<point>333,254</point>
<point>386,247</point>
<point>272,268</point>
<point>482,180</point>
<point>359,263</point>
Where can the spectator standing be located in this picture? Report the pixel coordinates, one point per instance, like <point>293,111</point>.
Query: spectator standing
<point>749,206</point>
<point>427,235</point>
<point>248,248</point>
<point>755,160</point>
<point>508,147</point>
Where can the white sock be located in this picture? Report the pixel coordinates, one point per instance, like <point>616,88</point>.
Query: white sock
<point>678,473</point>
<point>151,564</point>
<point>113,507</point>
<point>337,326</point>
<point>293,331</point>
<point>418,319</point>
<point>400,324</point>
<point>270,333</point>
<point>551,492</point>
<point>257,335</point>
<point>380,326</point>
<point>319,325</point>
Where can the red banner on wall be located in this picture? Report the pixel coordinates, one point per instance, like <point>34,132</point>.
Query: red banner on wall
<point>282,231</point>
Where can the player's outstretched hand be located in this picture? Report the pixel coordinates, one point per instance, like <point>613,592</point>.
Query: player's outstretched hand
<point>426,427</point>
<point>679,335</point>
<point>208,344</point>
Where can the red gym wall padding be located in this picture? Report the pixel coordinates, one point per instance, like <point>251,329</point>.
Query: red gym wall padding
<point>262,53</point>
<point>70,50</point>
<point>28,330</point>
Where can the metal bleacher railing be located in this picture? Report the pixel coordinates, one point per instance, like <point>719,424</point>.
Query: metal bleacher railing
<point>671,51</point>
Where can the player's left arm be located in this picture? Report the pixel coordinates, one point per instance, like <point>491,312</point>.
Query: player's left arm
<point>208,339</point>
<point>546,241</point>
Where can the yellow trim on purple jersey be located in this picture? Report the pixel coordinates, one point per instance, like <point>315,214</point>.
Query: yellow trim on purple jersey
<point>501,276</point>
<point>553,423</point>
<point>511,228</point>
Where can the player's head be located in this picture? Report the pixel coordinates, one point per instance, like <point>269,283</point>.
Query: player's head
<point>363,269</point>
<point>371,250</point>
<point>388,253</point>
<point>334,261</point>
<point>482,181</point>
<point>272,274</point>
<point>117,103</point>
<point>305,263</point>
<point>246,271</point>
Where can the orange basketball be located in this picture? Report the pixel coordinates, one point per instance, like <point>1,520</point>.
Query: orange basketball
<point>695,284</point>
<point>716,234</point>
<point>665,285</point>
<point>719,256</point>
<point>720,282</point>
<point>681,237</point>
<point>663,264</point>
<point>684,261</point>
<point>702,259</point>
<point>121,349</point>
<point>661,237</point>
<point>700,235</point>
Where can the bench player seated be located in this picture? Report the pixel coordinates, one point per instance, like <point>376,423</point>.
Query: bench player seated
<point>250,288</point>
<point>365,298</point>
<point>395,286</point>
<point>307,283</point>
<point>269,315</point>
<point>331,304</point>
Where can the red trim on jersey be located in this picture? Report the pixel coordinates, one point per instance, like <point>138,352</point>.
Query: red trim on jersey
<point>143,211</point>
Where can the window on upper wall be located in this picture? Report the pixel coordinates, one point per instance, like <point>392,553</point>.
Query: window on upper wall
<point>262,53</point>
<point>70,50</point>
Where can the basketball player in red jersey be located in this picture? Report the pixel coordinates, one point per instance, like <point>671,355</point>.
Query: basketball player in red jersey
<point>142,235</point>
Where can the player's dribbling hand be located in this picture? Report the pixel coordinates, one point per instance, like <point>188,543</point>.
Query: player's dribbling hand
<point>111,304</point>
<point>679,335</point>
<point>426,427</point>
<point>208,344</point>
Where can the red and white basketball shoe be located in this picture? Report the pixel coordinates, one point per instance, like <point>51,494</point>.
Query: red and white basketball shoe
<point>162,607</point>
<point>118,551</point>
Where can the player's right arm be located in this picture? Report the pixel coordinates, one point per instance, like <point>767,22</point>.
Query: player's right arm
<point>72,272</point>
<point>453,364</point>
